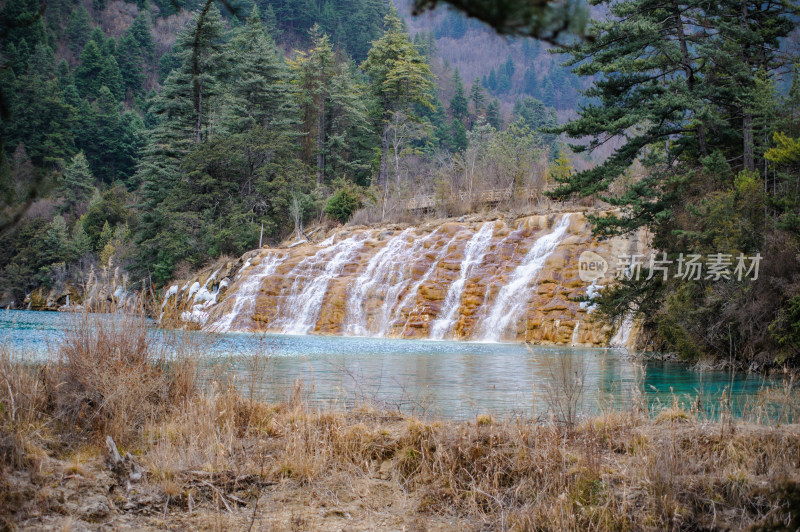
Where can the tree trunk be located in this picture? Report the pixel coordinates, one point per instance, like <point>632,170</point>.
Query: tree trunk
<point>321,144</point>
<point>383,172</point>
<point>199,126</point>
<point>686,63</point>
<point>747,115</point>
<point>747,135</point>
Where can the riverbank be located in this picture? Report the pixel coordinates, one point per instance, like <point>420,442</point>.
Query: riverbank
<point>115,434</point>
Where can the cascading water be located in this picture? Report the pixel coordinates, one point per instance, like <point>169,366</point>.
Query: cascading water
<point>621,338</point>
<point>473,255</point>
<point>465,279</point>
<point>247,291</point>
<point>385,273</point>
<point>301,308</point>
<point>412,291</point>
<point>514,295</point>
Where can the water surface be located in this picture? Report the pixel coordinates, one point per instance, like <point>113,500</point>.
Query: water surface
<point>441,378</point>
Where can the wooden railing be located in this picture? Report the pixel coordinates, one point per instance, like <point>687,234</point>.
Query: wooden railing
<point>429,201</point>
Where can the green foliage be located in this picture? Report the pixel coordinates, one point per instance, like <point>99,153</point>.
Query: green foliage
<point>343,203</point>
<point>459,136</point>
<point>79,26</point>
<point>493,115</point>
<point>459,105</point>
<point>78,184</point>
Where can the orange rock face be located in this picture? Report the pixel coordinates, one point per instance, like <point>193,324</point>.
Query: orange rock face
<point>517,281</point>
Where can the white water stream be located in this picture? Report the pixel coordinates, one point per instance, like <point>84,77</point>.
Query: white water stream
<point>515,294</point>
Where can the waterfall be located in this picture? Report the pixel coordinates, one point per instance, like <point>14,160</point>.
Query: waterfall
<point>384,272</point>
<point>498,280</point>
<point>247,292</point>
<point>513,297</point>
<point>473,256</point>
<point>301,308</point>
<point>622,336</point>
<point>412,292</point>
<point>575,336</point>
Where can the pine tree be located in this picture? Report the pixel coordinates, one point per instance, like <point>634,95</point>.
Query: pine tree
<point>692,115</point>
<point>503,83</point>
<point>400,78</point>
<point>63,74</point>
<point>42,121</point>
<point>261,77</point>
<point>131,63</point>
<point>89,74</point>
<point>531,84</point>
<point>78,185</point>
<point>80,245</point>
<point>110,77</point>
<point>459,135</point>
<point>313,72</point>
<point>491,81</point>
<point>459,106</point>
<point>79,27</point>
<point>140,30</point>
<point>99,38</point>
<point>493,115</point>
<point>42,62</point>
<point>478,98</point>
<point>56,241</point>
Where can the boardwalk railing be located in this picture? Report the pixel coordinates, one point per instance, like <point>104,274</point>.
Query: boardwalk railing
<point>493,196</point>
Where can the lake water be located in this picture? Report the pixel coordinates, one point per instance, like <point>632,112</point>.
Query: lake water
<point>440,378</point>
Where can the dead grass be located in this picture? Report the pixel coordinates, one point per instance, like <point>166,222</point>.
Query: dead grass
<point>218,459</point>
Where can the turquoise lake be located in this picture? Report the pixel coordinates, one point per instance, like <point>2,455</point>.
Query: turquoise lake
<point>437,378</point>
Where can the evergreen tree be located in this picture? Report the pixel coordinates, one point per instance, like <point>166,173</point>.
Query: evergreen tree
<point>42,120</point>
<point>56,241</point>
<point>131,63</point>
<point>400,78</point>
<point>99,38</point>
<point>63,74</point>
<point>42,62</point>
<point>111,77</point>
<point>538,118</point>
<point>693,114</point>
<point>313,73</point>
<point>110,141</point>
<point>531,84</point>
<point>459,106</point>
<point>80,245</point>
<point>478,98</point>
<point>503,82</point>
<point>459,136</point>
<point>140,30</point>
<point>491,81</point>
<point>493,115</point>
<point>78,185</point>
<point>261,77</point>
<point>79,27</point>
<point>89,74</point>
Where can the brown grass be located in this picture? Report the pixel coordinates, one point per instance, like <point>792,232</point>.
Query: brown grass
<point>218,459</point>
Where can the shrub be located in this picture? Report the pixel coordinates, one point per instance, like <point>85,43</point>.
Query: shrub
<point>343,204</point>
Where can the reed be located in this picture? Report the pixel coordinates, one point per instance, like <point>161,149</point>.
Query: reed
<point>217,456</point>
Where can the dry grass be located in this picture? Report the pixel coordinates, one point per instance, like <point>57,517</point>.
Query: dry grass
<point>220,459</point>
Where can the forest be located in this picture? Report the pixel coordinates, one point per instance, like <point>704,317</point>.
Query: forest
<point>155,136</point>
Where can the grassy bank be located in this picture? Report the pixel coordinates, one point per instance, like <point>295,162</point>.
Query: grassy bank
<point>205,456</point>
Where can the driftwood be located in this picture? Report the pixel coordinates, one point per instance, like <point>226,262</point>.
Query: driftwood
<point>125,468</point>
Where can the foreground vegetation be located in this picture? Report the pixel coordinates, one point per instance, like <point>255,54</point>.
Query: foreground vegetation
<point>207,454</point>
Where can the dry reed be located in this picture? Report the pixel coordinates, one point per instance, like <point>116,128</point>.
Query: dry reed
<point>217,458</point>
